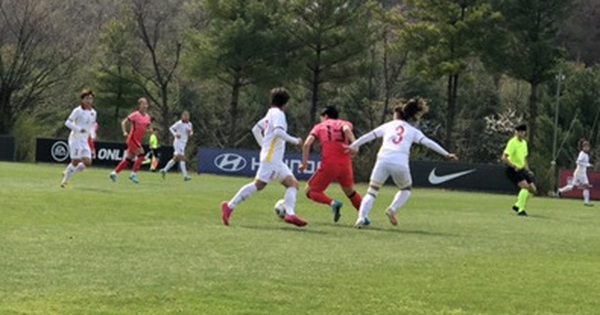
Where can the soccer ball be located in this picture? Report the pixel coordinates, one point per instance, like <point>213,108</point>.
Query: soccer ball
<point>280,208</point>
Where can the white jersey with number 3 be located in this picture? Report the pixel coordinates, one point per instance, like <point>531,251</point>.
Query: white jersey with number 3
<point>273,147</point>
<point>398,136</point>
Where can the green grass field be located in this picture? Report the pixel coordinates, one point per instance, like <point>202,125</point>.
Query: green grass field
<point>159,247</point>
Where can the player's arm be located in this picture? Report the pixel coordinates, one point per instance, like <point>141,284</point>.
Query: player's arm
<point>306,151</point>
<point>364,139</point>
<point>124,126</point>
<point>173,130</point>
<point>70,123</point>
<point>348,133</point>
<point>582,161</point>
<point>191,130</point>
<point>258,130</point>
<point>506,156</point>
<point>280,133</point>
<point>437,148</point>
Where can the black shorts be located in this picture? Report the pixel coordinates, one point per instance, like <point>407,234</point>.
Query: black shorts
<point>520,175</point>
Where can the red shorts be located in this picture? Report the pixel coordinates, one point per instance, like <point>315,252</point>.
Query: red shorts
<point>329,172</point>
<point>133,146</point>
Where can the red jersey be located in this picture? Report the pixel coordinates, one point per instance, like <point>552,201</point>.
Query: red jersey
<point>332,139</point>
<point>139,124</point>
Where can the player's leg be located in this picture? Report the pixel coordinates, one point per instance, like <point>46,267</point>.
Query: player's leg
<point>139,152</point>
<point>528,189</point>
<point>76,153</point>
<point>126,162</point>
<point>154,161</point>
<point>291,192</point>
<point>263,177</point>
<point>317,184</point>
<point>346,181</point>
<point>378,177</point>
<point>402,179</point>
<point>183,166</point>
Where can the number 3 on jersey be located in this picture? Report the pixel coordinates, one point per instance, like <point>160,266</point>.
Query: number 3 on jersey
<point>399,135</point>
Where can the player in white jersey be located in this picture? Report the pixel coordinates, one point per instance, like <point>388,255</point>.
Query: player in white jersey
<point>82,123</point>
<point>271,134</point>
<point>393,157</point>
<point>181,132</point>
<point>580,179</point>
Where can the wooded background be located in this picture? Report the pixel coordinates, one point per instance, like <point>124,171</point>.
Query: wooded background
<point>484,66</point>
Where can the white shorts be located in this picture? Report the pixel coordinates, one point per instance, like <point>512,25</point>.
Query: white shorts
<point>268,172</point>
<point>400,174</point>
<point>580,179</point>
<point>79,149</point>
<point>179,148</point>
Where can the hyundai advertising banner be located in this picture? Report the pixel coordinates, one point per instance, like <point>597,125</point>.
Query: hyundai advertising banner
<point>245,162</point>
<point>566,177</point>
<point>459,176</point>
<point>107,153</point>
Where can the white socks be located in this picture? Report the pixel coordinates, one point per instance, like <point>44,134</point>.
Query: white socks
<point>290,200</point>
<point>566,188</point>
<point>365,206</point>
<point>399,200</point>
<point>72,170</point>
<point>169,165</point>
<point>586,195</point>
<point>244,193</point>
<point>183,168</point>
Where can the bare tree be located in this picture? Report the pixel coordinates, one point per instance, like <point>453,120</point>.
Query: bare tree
<point>35,55</point>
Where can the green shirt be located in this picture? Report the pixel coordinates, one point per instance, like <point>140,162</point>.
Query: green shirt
<point>517,151</point>
<point>153,141</point>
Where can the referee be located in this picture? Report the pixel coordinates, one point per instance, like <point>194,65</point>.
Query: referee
<point>515,157</point>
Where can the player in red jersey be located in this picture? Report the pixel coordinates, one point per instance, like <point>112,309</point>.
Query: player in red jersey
<point>140,122</point>
<point>334,135</point>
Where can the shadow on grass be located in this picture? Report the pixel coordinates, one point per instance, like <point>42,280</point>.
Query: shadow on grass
<point>398,230</point>
<point>289,228</point>
<point>101,190</point>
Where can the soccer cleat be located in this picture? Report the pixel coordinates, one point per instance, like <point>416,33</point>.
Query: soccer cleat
<point>336,207</point>
<point>558,194</point>
<point>392,216</point>
<point>588,204</point>
<point>522,213</point>
<point>362,223</point>
<point>515,208</point>
<point>163,173</point>
<point>134,178</point>
<point>187,178</point>
<point>225,212</point>
<point>295,220</point>
<point>113,177</point>
<point>64,184</point>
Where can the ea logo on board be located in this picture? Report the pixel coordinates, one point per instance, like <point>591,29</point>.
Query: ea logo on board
<point>230,162</point>
<point>60,151</point>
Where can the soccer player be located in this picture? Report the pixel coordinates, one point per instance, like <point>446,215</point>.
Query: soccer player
<point>152,157</point>
<point>515,157</point>
<point>82,123</point>
<point>580,179</point>
<point>272,167</point>
<point>334,135</point>
<point>140,122</point>
<point>392,160</point>
<point>181,131</point>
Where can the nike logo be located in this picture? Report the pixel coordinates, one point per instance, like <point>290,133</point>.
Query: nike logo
<point>436,180</point>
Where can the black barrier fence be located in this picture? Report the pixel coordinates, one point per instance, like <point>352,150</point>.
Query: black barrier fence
<point>107,153</point>
<point>8,148</point>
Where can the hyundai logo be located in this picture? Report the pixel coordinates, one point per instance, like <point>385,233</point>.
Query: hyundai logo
<point>230,162</point>
<point>60,151</point>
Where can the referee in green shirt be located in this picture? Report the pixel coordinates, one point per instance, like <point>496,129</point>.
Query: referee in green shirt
<point>154,150</point>
<point>515,157</point>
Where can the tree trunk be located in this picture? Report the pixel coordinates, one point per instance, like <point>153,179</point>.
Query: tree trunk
<point>315,87</point>
<point>233,110</point>
<point>165,113</point>
<point>6,115</point>
<point>452,97</point>
<point>533,113</point>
